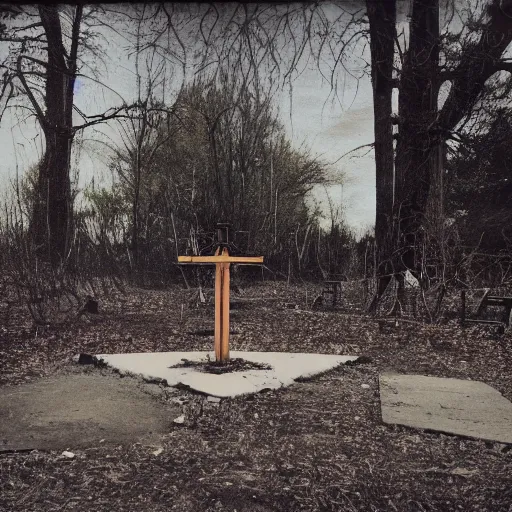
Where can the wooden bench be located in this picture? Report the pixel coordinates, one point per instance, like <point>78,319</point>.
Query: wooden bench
<point>488,300</point>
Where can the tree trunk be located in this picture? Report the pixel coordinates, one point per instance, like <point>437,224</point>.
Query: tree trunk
<point>52,215</point>
<point>382,17</point>
<point>136,223</point>
<point>417,151</point>
<point>51,224</point>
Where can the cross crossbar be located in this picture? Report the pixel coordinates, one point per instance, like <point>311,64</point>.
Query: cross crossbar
<point>221,258</point>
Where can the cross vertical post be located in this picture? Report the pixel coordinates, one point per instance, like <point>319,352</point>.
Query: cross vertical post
<point>218,309</point>
<point>222,308</point>
<point>224,328</point>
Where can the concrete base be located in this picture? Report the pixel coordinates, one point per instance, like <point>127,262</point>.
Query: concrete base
<point>286,368</point>
<point>453,406</point>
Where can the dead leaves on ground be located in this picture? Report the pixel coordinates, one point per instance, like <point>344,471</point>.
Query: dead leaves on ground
<point>318,445</point>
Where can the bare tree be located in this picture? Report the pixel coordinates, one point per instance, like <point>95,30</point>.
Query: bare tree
<point>423,129</point>
<point>223,151</point>
<point>42,66</point>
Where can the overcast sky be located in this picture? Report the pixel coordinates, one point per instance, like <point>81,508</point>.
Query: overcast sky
<point>329,129</point>
<point>326,129</point>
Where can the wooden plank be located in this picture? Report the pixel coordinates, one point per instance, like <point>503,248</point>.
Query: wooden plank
<point>218,312</point>
<point>220,259</point>
<point>490,322</point>
<point>225,313</point>
<point>498,301</point>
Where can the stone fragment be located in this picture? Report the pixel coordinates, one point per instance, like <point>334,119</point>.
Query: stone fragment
<point>452,406</point>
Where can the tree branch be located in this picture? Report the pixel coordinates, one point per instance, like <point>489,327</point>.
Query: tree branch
<point>504,65</point>
<point>28,27</point>
<point>470,77</point>
<point>453,74</point>
<point>72,64</point>
<point>24,39</point>
<point>104,117</point>
<point>371,145</point>
<point>9,96</point>
<point>35,104</point>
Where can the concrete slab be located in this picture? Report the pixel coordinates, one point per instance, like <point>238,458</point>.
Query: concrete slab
<point>463,407</point>
<point>78,411</point>
<point>286,368</point>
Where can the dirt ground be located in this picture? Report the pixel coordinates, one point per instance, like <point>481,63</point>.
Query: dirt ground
<point>78,411</point>
<point>318,445</point>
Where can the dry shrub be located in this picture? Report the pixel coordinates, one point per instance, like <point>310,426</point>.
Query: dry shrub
<point>55,294</point>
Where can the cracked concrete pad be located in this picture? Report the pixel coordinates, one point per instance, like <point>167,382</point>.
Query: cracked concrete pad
<point>286,368</point>
<point>78,411</point>
<point>453,406</point>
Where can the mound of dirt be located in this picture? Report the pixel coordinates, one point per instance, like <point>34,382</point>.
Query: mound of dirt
<point>236,364</point>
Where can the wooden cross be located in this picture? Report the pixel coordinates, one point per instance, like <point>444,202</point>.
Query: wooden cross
<point>222,262</point>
